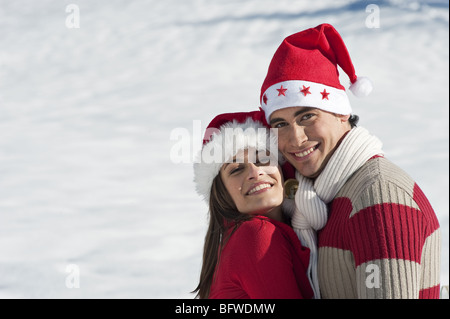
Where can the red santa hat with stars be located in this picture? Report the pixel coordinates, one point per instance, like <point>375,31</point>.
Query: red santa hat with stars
<point>303,72</point>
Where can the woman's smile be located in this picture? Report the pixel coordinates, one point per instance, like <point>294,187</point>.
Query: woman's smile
<point>259,188</point>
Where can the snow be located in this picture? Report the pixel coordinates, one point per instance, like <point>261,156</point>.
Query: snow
<point>92,204</point>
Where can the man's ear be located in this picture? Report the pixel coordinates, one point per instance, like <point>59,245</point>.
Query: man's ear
<point>343,118</point>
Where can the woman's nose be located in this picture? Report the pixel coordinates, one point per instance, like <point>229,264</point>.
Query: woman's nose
<point>254,171</point>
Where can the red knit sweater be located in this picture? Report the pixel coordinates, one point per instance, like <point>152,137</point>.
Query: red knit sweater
<point>263,259</point>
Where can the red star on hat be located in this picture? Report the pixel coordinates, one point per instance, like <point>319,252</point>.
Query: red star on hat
<point>281,91</point>
<point>265,99</point>
<point>324,94</point>
<point>305,90</point>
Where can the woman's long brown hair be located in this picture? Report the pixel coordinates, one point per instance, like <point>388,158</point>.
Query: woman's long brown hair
<point>222,213</point>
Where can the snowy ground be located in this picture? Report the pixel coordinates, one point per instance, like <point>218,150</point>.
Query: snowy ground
<point>90,196</point>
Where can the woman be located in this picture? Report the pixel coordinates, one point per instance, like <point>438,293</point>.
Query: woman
<point>250,251</point>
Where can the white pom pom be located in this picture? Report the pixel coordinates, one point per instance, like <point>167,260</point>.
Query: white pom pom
<point>362,87</point>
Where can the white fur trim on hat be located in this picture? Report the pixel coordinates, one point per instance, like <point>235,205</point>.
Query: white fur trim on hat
<point>231,138</point>
<point>304,93</point>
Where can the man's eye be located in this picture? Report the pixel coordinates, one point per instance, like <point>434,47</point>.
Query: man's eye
<point>279,125</point>
<point>305,119</point>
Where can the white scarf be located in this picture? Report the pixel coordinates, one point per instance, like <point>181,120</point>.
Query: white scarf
<point>312,197</point>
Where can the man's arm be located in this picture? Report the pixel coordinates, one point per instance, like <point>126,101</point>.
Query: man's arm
<point>395,241</point>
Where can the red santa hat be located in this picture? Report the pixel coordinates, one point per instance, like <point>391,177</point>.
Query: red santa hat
<point>225,136</point>
<point>303,72</point>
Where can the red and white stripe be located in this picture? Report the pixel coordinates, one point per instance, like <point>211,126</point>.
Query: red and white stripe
<point>382,222</point>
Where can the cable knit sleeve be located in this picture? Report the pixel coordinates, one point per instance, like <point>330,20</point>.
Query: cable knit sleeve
<point>395,241</point>
<point>387,245</point>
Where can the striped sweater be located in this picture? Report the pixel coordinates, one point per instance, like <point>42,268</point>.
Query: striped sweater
<point>382,238</point>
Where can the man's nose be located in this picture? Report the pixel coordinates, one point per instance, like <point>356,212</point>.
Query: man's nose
<point>297,136</point>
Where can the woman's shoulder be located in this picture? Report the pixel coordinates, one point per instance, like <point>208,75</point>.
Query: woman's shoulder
<point>256,225</point>
<point>257,231</point>
<point>256,240</point>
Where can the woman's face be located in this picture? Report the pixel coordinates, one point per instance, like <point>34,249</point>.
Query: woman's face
<point>256,188</point>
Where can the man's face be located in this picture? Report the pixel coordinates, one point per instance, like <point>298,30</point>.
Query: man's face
<point>307,137</point>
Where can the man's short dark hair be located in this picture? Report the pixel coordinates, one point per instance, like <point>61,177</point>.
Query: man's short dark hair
<point>354,119</point>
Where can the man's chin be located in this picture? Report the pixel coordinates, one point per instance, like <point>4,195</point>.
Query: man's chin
<point>308,172</point>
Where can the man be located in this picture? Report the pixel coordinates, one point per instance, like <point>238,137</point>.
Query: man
<point>379,236</point>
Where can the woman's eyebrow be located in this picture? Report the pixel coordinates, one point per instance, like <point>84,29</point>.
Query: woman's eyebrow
<point>230,161</point>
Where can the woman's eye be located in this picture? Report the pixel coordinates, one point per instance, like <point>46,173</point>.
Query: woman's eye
<point>235,169</point>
